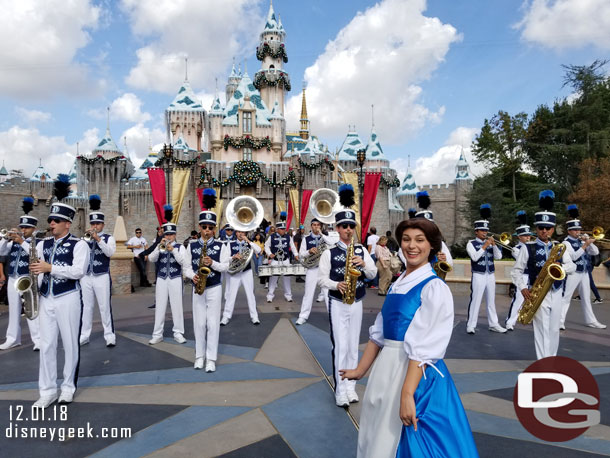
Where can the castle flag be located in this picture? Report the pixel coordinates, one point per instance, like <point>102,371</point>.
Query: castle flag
<point>180,181</point>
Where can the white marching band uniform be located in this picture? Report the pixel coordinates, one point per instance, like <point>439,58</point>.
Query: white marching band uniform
<point>274,262</point>
<point>517,302</point>
<point>169,286</point>
<point>96,285</point>
<point>244,278</point>
<point>20,267</point>
<point>311,277</point>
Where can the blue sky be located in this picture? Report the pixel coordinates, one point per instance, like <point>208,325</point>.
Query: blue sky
<point>433,69</point>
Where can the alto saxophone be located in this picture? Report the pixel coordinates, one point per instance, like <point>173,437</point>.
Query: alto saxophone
<point>351,275</point>
<point>203,271</point>
<point>549,273</point>
<point>27,285</point>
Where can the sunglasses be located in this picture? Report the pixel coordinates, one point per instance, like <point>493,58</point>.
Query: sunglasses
<point>545,228</point>
<point>54,220</point>
<point>345,226</point>
<point>205,226</point>
<point>138,232</point>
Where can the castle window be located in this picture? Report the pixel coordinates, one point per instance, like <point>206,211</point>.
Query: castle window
<point>247,121</point>
<point>247,154</point>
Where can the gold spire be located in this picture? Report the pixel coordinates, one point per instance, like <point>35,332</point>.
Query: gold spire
<point>304,132</point>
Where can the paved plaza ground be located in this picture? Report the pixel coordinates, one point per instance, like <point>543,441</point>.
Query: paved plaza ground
<point>271,395</point>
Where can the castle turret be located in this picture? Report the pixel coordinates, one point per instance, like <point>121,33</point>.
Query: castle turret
<point>304,132</point>
<point>185,117</point>
<point>351,145</point>
<point>408,189</point>
<point>232,83</point>
<point>462,169</point>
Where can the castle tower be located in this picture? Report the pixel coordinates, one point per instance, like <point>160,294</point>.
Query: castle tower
<point>232,83</point>
<point>185,117</point>
<point>216,115</point>
<point>271,80</point>
<point>107,148</point>
<point>463,186</point>
<point>349,150</point>
<point>3,174</point>
<point>304,132</point>
<point>408,190</point>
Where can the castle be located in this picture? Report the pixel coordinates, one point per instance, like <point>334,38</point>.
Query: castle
<point>249,126</point>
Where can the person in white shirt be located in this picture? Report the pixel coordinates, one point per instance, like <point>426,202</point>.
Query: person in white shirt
<point>524,234</point>
<point>138,244</point>
<point>482,251</point>
<point>280,248</point>
<point>96,283</point>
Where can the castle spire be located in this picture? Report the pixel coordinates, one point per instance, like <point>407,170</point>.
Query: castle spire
<point>186,68</point>
<point>304,132</point>
<point>108,120</point>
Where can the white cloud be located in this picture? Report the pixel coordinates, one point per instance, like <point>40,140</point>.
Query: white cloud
<point>127,107</point>
<point>38,46</point>
<point>32,116</point>
<point>139,139</point>
<point>209,32</point>
<point>440,166</point>
<point>566,23</point>
<point>379,58</point>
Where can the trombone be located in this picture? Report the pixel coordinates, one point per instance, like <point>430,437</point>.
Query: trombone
<point>503,240</point>
<point>598,233</point>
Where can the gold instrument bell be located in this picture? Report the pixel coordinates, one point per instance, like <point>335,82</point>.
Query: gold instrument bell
<point>503,240</point>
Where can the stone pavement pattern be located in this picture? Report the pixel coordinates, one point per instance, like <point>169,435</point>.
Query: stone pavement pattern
<point>271,395</point>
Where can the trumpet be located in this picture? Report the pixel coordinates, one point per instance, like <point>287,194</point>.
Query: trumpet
<point>163,246</point>
<point>6,234</point>
<point>89,235</point>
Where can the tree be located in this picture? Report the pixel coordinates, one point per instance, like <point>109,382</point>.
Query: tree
<point>500,145</point>
<point>592,193</point>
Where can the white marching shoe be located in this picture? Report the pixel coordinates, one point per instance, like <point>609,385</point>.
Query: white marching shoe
<point>301,321</point>
<point>341,400</point>
<point>65,398</point>
<point>198,363</point>
<point>210,366</point>
<point>352,396</point>
<point>179,338</point>
<point>224,321</point>
<point>155,340</point>
<point>45,401</point>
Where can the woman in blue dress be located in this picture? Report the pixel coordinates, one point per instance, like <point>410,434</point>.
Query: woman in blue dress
<point>411,407</point>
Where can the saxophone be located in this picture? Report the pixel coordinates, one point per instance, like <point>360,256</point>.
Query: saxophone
<point>549,273</point>
<point>351,275</point>
<point>203,271</point>
<point>27,285</point>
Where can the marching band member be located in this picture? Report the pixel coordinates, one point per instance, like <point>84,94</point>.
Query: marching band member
<point>279,248</point>
<point>244,278</point>
<point>62,262</point>
<point>169,281</point>
<point>482,252</point>
<point>423,201</point>
<point>309,247</point>
<point>96,283</point>
<point>524,234</point>
<point>17,246</point>
<point>577,248</point>
<point>548,317</point>
<point>206,307</point>
<point>345,319</point>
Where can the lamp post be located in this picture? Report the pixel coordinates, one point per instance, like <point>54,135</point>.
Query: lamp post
<point>361,157</point>
<point>168,154</point>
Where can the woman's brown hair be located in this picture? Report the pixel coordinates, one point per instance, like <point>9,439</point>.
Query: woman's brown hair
<point>430,230</point>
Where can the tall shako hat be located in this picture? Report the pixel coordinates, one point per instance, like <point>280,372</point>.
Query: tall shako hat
<point>423,201</point>
<point>207,216</point>
<point>25,220</point>
<point>315,220</point>
<point>483,223</point>
<point>168,214</point>
<point>95,202</point>
<point>545,218</point>
<point>574,222</point>
<point>522,227</point>
<point>412,212</point>
<point>61,190</point>
<point>346,198</point>
<point>281,224</point>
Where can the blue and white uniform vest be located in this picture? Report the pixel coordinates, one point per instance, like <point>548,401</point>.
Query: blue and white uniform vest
<point>167,266</point>
<point>538,254</point>
<point>337,270</point>
<point>576,245</point>
<point>213,251</point>
<point>99,263</point>
<point>280,243</point>
<point>19,261</point>
<point>485,264</point>
<point>313,241</point>
<point>237,247</point>
<point>58,253</point>
<point>520,246</point>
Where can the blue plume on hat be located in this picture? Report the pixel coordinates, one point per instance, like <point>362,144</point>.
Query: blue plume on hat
<point>95,202</point>
<point>346,195</point>
<point>27,205</point>
<point>283,216</point>
<point>209,198</point>
<point>546,199</point>
<point>168,212</point>
<point>573,211</point>
<point>485,211</point>
<point>412,212</point>
<point>61,187</point>
<point>521,217</point>
<point>423,199</point>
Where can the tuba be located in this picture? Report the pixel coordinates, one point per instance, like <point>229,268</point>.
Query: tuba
<point>324,203</point>
<point>244,214</point>
<point>313,260</point>
<point>549,273</point>
<point>27,285</point>
<point>203,271</point>
<point>351,276</point>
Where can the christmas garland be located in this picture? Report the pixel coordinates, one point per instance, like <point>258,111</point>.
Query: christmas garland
<point>317,165</point>
<point>265,50</point>
<point>247,142</point>
<point>246,173</point>
<point>261,78</point>
<point>395,183</point>
<point>177,162</point>
<point>99,158</point>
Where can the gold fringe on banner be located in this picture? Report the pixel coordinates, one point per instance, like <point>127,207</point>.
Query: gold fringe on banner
<point>352,178</point>
<point>180,181</point>
<point>218,210</point>
<point>294,200</point>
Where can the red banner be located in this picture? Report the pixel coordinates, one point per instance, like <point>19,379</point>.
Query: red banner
<point>200,195</point>
<point>289,217</point>
<point>157,186</point>
<point>305,203</point>
<point>371,186</point>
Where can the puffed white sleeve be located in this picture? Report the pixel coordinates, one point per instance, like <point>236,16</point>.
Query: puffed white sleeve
<point>187,264</point>
<point>447,253</point>
<point>516,274</point>
<point>430,330</point>
<point>376,331</point>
